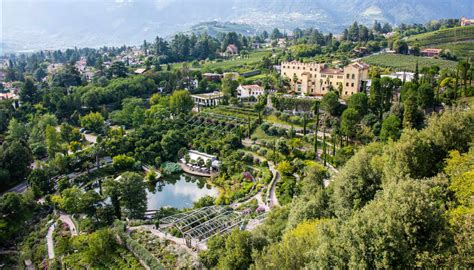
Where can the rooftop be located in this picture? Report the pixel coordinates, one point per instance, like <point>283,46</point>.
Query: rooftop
<point>431,50</point>
<point>252,87</point>
<point>195,154</point>
<point>332,71</point>
<point>140,70</point>
<point>215,94</point>
<point>360,65</point>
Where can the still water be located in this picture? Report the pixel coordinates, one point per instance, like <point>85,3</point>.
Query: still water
<point>178,191</point>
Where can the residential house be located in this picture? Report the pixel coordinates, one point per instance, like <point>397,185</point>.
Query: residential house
<point>140,70</point>
<point>252,90</point>
<point>212,76</point>
<point>281,42</point>
<point>8,95</point>
<point>81,65</point>
<point>466,22</point>
<point>430,52</point>
<point>232,50</point>
<point>54,68</point>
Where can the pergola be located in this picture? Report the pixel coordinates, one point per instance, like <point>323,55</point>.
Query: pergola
<point>220,224</point>
<point>200,224</point>
<point>184,221</point>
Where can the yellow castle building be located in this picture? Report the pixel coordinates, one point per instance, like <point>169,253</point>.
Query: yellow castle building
<point>313,79</point>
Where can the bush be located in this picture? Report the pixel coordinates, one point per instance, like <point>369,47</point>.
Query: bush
<point>123,162</point>
<point>343,155</point>
<point>265,127</point>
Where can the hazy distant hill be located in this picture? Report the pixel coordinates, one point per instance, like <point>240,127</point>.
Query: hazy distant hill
<point>213,28</point>
<point>33,24</point>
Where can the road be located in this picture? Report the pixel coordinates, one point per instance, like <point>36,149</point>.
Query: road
<point>20,188</point>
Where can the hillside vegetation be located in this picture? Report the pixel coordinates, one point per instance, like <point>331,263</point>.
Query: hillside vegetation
<point>214,28</point>
<point>456,34</point>
<point>406,62</point>
<point>459,40</point>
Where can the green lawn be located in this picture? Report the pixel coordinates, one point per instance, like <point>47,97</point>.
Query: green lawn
<point>406,62</point>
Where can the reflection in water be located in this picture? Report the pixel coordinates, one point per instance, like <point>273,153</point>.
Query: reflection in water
<point>178,191</point>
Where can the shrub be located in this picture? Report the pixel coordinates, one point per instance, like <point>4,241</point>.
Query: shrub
<point>123,162</point>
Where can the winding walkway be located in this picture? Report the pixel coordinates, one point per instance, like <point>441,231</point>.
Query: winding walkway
<point>49,236</point>
<point>72,227</point>
<point>49,240</point>
<point>257,197</point>
<point>271,194</point>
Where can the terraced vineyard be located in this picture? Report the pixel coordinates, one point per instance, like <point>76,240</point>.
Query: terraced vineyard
<point>461,50</point>
<point>450,35</point>
<point>459,40</point>
<point>406,62</point>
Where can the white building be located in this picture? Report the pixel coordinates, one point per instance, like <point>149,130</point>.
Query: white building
<point>195,155</point>
<point>140,70</point>
<point>252,90</point>
<point>208,99</point>
<point>404,76</point>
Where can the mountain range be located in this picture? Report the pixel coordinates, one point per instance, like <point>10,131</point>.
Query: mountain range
<point>48,24</point>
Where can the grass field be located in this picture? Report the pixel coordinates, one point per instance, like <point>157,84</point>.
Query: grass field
<point>406,62</point>
<point>459,40</point>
